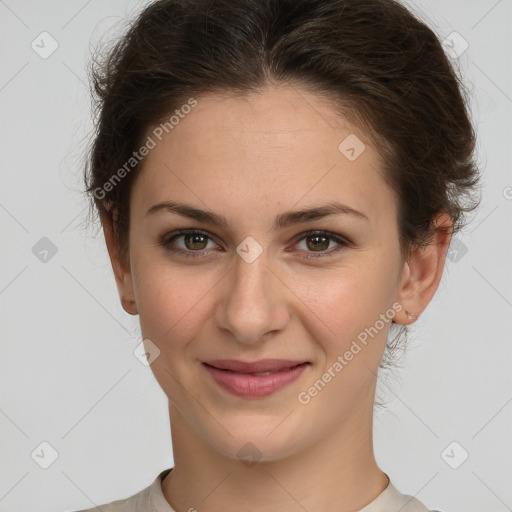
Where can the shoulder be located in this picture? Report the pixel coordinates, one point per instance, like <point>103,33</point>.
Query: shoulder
<point>392,500</point>
<point>408,503</point>
<point>148,499</point>
<point>135,503</point>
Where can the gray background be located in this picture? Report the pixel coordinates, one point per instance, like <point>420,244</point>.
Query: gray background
<point>68,376</point>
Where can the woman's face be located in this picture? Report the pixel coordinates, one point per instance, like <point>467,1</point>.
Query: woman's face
<point>256,288</point>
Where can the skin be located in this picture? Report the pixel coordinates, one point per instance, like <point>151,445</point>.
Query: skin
<point>317,456</point>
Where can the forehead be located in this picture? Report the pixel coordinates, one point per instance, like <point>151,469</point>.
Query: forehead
<point>280,147</point>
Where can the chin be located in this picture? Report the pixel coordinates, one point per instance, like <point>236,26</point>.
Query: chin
<point>251,443</point>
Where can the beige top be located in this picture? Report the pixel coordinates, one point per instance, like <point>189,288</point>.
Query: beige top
<point>151,499</point>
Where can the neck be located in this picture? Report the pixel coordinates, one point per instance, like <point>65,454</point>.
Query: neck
<point>335,474</point>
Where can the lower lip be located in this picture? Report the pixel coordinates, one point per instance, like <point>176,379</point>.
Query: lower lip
<point>247,385</point>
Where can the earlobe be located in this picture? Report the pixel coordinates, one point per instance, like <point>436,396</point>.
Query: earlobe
<point>423,271</point>
<point>122,272</point>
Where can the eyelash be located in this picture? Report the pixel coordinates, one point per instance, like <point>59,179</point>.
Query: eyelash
<point>167,239</point>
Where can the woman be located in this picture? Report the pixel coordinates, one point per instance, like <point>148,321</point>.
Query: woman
<point>278,182</point>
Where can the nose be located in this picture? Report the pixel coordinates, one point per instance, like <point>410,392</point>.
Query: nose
<point>254,302</point>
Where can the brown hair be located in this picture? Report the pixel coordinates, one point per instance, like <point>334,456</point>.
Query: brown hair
<point>374,58</point>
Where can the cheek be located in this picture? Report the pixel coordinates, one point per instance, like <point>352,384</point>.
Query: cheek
<point>176,302</point>
<point>344,305</point>
<point>345,293</point>
<point>171,304</point>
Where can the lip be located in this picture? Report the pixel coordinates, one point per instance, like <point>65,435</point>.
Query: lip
<point>263,365</point>
<point>243,383</point>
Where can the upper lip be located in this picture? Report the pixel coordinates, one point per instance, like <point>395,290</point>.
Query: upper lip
<point>263,365</point>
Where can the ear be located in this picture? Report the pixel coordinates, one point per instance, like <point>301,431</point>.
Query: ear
<point>422,272</point>
<point>122,270</point>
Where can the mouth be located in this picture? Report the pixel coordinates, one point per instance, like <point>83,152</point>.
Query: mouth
<point>262,367</point>
<point>255,380</point>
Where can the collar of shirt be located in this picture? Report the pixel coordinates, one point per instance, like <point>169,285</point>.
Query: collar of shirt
<point>389,500</point>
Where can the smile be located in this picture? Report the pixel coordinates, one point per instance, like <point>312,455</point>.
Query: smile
<point>255,384</point>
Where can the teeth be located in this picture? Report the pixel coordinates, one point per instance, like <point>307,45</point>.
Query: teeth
<point>268,373</point>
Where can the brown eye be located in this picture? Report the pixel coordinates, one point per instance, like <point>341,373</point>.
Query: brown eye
<point>188,242</point>
<point>195,241</point>
<point>319,241</point>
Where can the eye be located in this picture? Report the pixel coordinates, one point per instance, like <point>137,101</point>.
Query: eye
<point>318,241</point>
<point>195,243</point>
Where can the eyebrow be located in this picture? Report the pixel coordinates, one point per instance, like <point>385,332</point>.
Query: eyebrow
<point>281,221</point>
